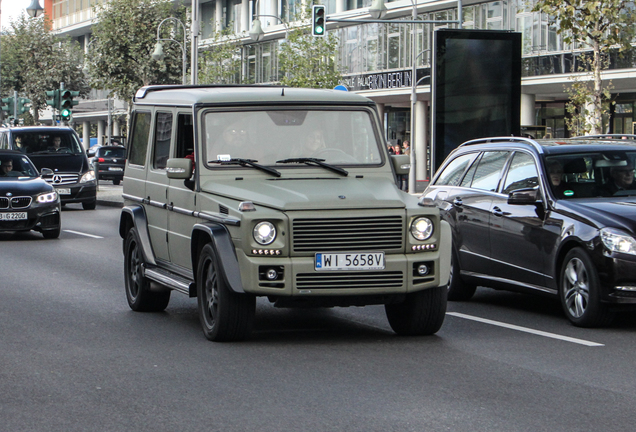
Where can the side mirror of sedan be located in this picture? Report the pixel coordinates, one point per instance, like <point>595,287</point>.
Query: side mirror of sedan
<point>46,171</point>
<point>528,196</point>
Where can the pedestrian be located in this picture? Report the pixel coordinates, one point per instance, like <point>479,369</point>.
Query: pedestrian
<point>406,149</point>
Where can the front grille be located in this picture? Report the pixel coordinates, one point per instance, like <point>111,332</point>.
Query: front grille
<point>15,225</point>
<point>378,279</point>
<point>16,202</point>
<point>21,202</point>
<point>62,179</point>
<point>348,234</point>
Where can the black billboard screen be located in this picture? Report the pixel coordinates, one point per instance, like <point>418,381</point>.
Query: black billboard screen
<point>476,87</point>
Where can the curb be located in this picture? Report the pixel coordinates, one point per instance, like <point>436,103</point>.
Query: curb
<point>108,203</point>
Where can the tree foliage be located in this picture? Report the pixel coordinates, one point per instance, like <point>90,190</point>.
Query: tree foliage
<point>124,37</point>
<point>595,26</point>
<point>308,61</point>
<point>221,62</point>
<point>35,60</point>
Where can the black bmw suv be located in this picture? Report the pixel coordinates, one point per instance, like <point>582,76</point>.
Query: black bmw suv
<point>545,216</point>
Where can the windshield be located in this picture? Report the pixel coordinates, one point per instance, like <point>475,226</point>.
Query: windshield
<point>12,166</point>
<point>46,143</point>
<point>595,174</point>
<point>344,137</point>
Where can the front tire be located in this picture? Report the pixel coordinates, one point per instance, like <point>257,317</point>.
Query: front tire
<point>89,205</point>
<point>138,293</point>
<point>579,291</point>
<point>224,315</point>
<point>458,290</point>
<point>422,313</point>
<point>51,234</point>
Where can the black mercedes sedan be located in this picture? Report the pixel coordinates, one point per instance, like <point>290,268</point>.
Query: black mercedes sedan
<point>27,202</point>
<point>554,217</point>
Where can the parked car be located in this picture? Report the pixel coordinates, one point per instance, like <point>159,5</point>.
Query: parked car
<point>59,149</point>
<point>26,201</point>
<point>109,163</point>
<point>289,194</point>
<point>554,217</point>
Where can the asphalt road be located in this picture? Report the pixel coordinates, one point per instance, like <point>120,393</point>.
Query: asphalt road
<point>74,357</point>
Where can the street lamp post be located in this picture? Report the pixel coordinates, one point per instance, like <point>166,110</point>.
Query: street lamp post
<point>35,10</point>
<point>158,52</point>
<point>257,33</point>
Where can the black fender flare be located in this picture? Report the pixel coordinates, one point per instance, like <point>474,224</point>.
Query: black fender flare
<point>138,216</point>
<point>221,242</point>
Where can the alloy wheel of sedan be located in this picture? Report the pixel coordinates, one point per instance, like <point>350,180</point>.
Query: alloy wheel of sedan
<point>576,287</point>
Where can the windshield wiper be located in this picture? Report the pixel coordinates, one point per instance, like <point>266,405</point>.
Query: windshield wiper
<point>316,162</point>
<point>246,162</point>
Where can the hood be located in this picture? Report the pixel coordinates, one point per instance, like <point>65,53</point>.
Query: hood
<point>22,186</point>
<point>63,163</point>
<point>311,194</point>
<point>615,212</point>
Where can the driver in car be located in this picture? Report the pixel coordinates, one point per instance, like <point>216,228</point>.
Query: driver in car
<point>621,178</point>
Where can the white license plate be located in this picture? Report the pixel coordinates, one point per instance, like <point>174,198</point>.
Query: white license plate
<point>63,191</point>
<point>115,169</point>
<point>350,261</point>
<point>13,216</point>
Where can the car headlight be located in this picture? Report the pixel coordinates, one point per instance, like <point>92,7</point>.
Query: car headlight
<point>618,241</point>
<point>422,228</point>
<point>264,233</point>
<point>48,197</point>
<point>89,176</point>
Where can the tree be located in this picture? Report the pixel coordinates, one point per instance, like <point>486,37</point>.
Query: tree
<point>308,61</point>
<point>124,37</point>
<point>221,63</point>
<point>35,60</point>
<point>596,26</point>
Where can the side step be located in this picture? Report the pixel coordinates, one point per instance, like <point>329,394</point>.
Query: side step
<point>171,280</point>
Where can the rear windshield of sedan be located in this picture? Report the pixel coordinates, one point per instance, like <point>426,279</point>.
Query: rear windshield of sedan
<point>592,174</point>
<point>343,137</point>
<point>33,143</point>
<point>112,152</point>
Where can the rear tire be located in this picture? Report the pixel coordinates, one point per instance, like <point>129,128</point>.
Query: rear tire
<point>422,313</point>
<point>224,314</point>
<point>138,293</point>
<point>116,182</point>
<point>89,205</point>
<point>579,291</point>
<point>458,290</point>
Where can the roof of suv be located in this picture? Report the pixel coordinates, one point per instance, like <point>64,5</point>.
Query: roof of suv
<point>244,94</point>
<point>556,145</point>
<point>40,128</point>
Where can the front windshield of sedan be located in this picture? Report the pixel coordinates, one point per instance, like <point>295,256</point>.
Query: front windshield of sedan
<point>12,166</point>
<point>342,137</point>
<point>594,174</point>
<point>33,143</point>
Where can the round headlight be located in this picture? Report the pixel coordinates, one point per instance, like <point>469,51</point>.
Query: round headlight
<point>422,228</point>
<point>264,233</point>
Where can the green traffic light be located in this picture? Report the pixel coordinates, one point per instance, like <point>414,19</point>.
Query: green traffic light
<point>65,113</point>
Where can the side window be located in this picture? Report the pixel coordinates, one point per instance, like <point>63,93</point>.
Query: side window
<point>185,135</point>
<point>468,178</point>
<point>4,143</point>
<point>163,134</point>
<point>454,171</point>
<point>521,174</point>
<point>139,138</point>
<point>488,171</point>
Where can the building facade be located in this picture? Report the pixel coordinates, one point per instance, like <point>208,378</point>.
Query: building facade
<point>376,59</point>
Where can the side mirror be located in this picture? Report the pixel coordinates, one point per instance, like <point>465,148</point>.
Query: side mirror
<point>46,171</point>
<point>401,164</point>
<point>179,168</point>
<point>528,196</point>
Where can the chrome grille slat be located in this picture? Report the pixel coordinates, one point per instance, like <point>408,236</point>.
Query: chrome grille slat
<point>348,234</point>
<point>338,280</point>
<point>65,179</point>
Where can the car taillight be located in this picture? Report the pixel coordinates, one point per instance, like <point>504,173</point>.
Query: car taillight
<point>101,160</point>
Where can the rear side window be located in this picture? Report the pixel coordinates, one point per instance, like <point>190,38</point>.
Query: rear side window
<point>488,171</point>
<point>139,138</point>
<point>163,135</point>
<point>454,171</point>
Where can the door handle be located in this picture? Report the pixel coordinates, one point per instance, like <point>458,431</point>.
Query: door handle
<point>498,212</point>
<point>458,202</point>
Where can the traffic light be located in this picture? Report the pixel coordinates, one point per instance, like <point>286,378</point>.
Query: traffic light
<point>8,106</point>
<point>53,99</point>
<point>318,20</point>
<point>67,103</point>
<point>22,105</point>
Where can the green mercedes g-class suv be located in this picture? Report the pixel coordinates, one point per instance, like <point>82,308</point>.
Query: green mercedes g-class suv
<point>234,192</point>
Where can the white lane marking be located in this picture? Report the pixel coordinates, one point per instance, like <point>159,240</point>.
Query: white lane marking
<point>525,329</point>
<point>82,234</point>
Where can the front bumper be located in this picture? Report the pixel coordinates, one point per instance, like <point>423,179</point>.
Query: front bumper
<point>40,217</point>
<point>78,192</point>
<point>617,275</point>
